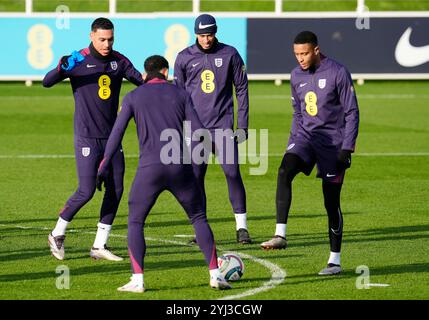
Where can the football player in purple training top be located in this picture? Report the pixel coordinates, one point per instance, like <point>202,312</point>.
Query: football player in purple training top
<point>95,75</point>
<point>159,109</point>
<point>324,130</point>
<point>208,70</point>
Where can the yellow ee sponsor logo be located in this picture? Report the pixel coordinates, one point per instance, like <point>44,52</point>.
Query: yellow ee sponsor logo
<point>39,54</point>
<point>208,86</point>
<point>176,37</point>
<point>311,103</point>
<point>104,83</point>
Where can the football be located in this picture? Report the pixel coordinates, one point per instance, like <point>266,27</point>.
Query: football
<point>231,266</point>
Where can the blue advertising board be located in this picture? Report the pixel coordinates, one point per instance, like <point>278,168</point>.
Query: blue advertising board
<point>33,46</point>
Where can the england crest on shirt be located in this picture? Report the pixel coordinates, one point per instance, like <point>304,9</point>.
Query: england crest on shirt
<point>218,62</point>
<point>322,83</point>
<point>86,151</point>
<point>113,65</point>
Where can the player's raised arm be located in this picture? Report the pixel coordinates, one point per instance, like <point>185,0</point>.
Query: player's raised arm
<point>132,74</point>
<point>349,102</point>
<point>62,70</point>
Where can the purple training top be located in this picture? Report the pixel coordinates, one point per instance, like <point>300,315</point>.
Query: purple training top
<point>156,106</point>
<point>325,105</point>
<point>96,84</point>
<point>209,79</point>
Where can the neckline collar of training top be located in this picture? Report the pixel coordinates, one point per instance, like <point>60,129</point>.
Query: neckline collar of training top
<point>155,76</point>
<point>97,55</point>
<point>157,80</point>
<point>212,49</point>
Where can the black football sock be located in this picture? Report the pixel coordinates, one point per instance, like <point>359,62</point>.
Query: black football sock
<point>331,194</point>
<point>289,168</point>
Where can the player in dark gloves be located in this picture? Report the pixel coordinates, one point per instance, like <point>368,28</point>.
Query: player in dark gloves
<point>324,132</point>
<point>208,70</point>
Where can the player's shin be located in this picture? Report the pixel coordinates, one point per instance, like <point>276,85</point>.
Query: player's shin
<point>331,192</point>
<point>289,168</point>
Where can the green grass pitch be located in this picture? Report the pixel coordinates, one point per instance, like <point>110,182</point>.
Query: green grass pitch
<point>384,200</point>
<point>214,5</point>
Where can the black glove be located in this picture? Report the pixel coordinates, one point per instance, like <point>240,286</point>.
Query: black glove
<point>344,159</point>
<point>71,61</point>
<point>99,181</point>
<point>65,62</point>
<point>101,175</point>
<point>241,135</point>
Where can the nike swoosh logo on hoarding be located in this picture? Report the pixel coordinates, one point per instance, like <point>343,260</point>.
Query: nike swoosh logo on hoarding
<point>408,55</point>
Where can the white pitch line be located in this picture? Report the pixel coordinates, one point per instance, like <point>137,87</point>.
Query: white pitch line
<point>365,154</point>
<point>392,96</point>
<point>37,156</point>
<point>24,227</point>
<point>393,154</point>
<point>35,97</point>
<point>92,233</point>
<point>366,96</point>
<point>277,274</point>
<point>50,156</point>
<point>378,285</point>
<point>133,156</point>
<point>184,235</point>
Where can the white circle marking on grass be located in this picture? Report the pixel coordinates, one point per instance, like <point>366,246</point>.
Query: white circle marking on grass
<point>277,277</point>
<point>277,274</point>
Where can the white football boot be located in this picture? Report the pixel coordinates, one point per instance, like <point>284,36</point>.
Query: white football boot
<point>276,243</point>
<point>330,270</point>
<point>219,283</point>
<point>104,253</point>
<point>57,246</point>
<point>132,286</point>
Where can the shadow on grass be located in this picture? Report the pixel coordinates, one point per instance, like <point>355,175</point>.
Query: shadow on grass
<point>314,277</point>
<point>34,253</point>
<point>351,274</point>
<point>180,219</point>
<point>52,220</point>
<point>102,268</point>
<point>413,232</point>
<point>400,269</point>
<point>392,230</point>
